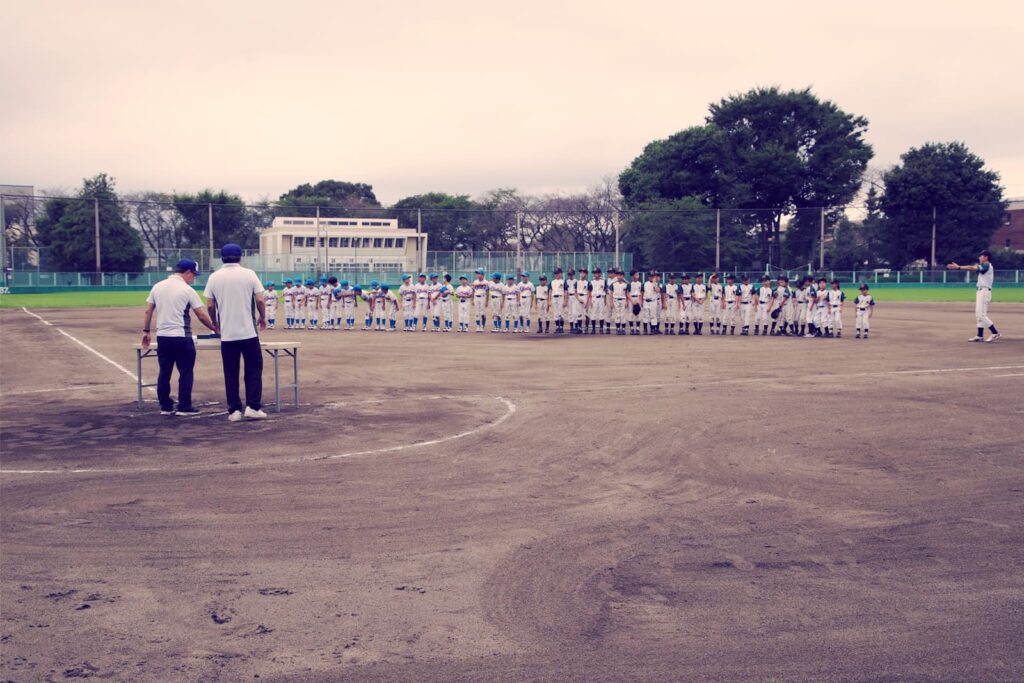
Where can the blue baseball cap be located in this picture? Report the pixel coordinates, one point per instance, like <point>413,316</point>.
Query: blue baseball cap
<point>495,276</point>
<point>309,283</point>
<point>525,273</point>
<point>421,275</point>
<point>374,283</point>
<point>479,271</point>
<point>406,276</point>
<point>385,287</point>
<point>268,284</point>
<point>433,276</point>
<point>337,290</point>
<point>463,277</point>
<point>344,283</point>
<point>187,266</point>
<point>323,279</point>
<point>287,280</point>
<point>230,251</point>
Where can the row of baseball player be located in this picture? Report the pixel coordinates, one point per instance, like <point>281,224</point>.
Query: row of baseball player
<point>596,303</point>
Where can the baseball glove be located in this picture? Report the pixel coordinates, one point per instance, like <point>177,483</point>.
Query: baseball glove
<point>775,313</point>
<point>636,309</point>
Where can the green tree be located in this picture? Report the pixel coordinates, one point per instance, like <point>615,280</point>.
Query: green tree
<point>232,220</point>
<point>447,218</point>
<point>966,198</point>
<point>766,151</point>
<point>339,197</point>
<point>66,229</point>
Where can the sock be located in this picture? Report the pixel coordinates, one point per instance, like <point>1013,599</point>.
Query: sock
<point>981,331</point>
<point>993,329</point>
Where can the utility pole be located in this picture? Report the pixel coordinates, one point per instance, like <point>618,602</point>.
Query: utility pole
<point>209,229</point>
<point>934,216</point>
<point>3,241</point>
<point>821,243</point>
<point>319,270</point>
<point>519,241</point>
<point>718,239</point>
<point>616,219</point>
<point>96,225</point>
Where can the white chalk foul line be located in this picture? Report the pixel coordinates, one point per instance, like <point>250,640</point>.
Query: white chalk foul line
<point>86,346</point>
<point>510,409</point>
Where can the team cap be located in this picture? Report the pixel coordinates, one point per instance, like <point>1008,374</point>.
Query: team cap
<point>344,283</point>
<point>463,277</point>
<point>231,251</point>
<point>187,266</point>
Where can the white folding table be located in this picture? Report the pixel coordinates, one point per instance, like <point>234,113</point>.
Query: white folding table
<point>273,349</point>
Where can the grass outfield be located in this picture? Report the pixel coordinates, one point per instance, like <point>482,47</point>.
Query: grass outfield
<point>128,299</point>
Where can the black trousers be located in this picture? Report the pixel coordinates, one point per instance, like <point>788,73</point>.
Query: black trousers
<point>171,351</point>
<point>231,352</point>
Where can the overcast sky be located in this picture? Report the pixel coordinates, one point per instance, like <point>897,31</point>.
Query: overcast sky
<point>461,97</point>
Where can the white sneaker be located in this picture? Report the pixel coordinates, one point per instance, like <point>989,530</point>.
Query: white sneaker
<point>235,416</point>
<point>976,339</point>
<point>251,414</point>
<point>167,412</point>
<point>993,338</point>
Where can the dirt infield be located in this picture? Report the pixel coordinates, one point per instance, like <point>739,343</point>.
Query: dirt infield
<point>483,507</point>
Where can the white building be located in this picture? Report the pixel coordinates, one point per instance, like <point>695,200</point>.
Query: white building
<point>340,244</point>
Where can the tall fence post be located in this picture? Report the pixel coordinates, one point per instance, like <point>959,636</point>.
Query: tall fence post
<point>96,222</point>
<point>3,242</point>
<point>209,229</point>
<point>519,241</point>
<point>718,239</point>
<point>616,219</point>
<point>319,270</point>
<point>821,242</point>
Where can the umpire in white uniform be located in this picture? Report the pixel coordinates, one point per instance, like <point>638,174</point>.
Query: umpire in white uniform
<point>172,300</point>
<point>235,296</point>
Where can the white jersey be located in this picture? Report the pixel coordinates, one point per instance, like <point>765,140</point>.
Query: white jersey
<point>671,293</point>
<point>731,293</point>
<point>464,292</point>
<point>619,290</point>
<point>526,290</point>
<point>716,291</point>
<point>496,290</point>
<point>407,293</point>
<point>511,292</point>
<point>288,294</point>
<point>764,295</point>
<point>652,291</point>
<point>836,297</point>
<point>986,275</point>
<point>325,296</point>
<point>558,287</point>
<point>864,302</point>
<point>699,291</point>
<point>635,290</point>
<point>746,293</point>
<point>270,297</point>
<point>821,297</point>
<point>422,290</point>
<point>686,291</point>
<point>312,296</point>
<point>433,290</point>
<point>598,288</point>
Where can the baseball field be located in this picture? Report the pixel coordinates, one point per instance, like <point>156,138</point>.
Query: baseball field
<point>516,507</point>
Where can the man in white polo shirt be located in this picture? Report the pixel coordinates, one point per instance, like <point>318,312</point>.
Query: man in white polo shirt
<point>172,300</point>
<point>235,295</point>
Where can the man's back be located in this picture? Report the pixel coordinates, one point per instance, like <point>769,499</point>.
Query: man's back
<point>234,290</point>
<point>174,299</point>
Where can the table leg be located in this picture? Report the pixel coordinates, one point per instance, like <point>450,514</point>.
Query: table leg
<point>138,375</point>
<point>295,375</point>
<point>277,381</point>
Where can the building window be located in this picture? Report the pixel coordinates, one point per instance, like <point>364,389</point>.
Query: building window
<point>310,241</point>
<point>299,241</point>
<point>366,242</point>
<point>400,243</point>
<point>378,243</point>
<point>321,241</point>
<point>389,243</point>
<point>344,243</point>
<point>333,243</point>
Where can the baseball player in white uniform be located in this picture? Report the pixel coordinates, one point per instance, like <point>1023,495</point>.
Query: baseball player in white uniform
<point>822,323</point>
<point>511,306</point>
<point>810,306</point>
<point>635,301</point>
<point>836,297</point>
<point>543,296</point>
<point>731,300</point>
<point>496,292</point>
<point>685,303</point>
<point>422,290</point>
<point>325,295</point>
<point>781,296</point>
<point>526,292</point>
<point>288,294</point>
<point>762,306</point>
<point>464,295</point>
<point>983,297</point>
<point>671,304</point>
<point>865,304</point>
<point>558,295</point>
<point>270,300</point>
<point>407,297</point>
<point>597,302</point>
<point>652,304</point>
<point>480,289</point>
<point>348,304</point>
<point>747,294</point>
<point>700,295</point>
<point>572,302</point>
<point>715,290</point>
<point>620,297</point>
<point>432,299</point>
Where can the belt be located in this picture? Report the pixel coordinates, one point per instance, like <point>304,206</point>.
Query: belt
<point>557,296</point>
<point>716,298</point>
<point>988,288</point>
<point>620,298</point>
<point>648,299</point>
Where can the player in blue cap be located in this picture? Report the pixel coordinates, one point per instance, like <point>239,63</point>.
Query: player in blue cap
<point>347,304</point>
<point>432,304</point>
<point>480,287</point>
<point>464,294</point>
<point>325,295</point>
<point>312,304</point>
<point>497,293</point>
<point>407,295</point>
<point>390,305</point>
<point>511,306</point>
<point>270,299</point>
<point>422,300</point>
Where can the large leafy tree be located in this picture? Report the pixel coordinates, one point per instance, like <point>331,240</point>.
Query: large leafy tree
<point>66,229</point>
<point>967,201</point>
<point>446,218</point>
<point>769,152</point>
<point>335,197</point>
<point>232,220</point>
